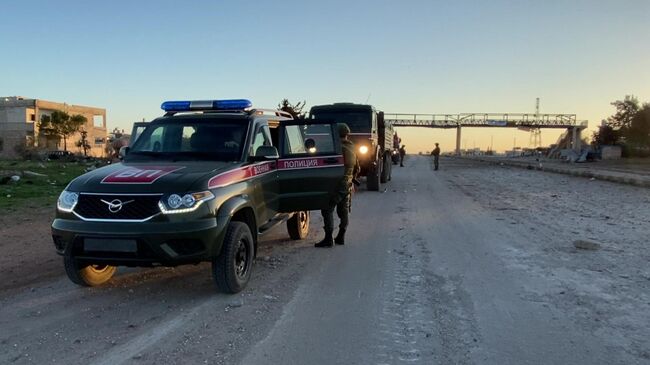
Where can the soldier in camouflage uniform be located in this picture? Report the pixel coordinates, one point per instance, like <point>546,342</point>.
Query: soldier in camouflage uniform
<point>341,198</point>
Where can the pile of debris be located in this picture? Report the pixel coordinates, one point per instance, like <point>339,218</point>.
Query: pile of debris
<point>9,177</point>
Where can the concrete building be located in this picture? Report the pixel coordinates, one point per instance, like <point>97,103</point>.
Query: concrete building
<point>19,119</point>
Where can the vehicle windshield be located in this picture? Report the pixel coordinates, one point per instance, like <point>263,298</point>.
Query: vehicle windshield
<point>184,139</point>
<point>358,121</point>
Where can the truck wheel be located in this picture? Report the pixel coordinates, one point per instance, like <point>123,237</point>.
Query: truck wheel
<point>385,171</point>
<point>390,171</point>
<point>90,275</point>
<point>298,225</point>
<point>373,178</point>
<point>231,270</point>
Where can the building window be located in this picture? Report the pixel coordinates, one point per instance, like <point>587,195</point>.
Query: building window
<point>99,141</point>
<point>98,121</point>
<point>32,117</point>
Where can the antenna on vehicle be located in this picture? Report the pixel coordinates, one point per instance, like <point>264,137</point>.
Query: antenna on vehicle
<point>368,98</point>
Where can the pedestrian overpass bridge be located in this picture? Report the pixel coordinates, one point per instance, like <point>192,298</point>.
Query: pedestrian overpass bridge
<point>522,121</point>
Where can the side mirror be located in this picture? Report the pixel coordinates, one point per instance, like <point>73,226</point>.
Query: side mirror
<point>124,150</point>
<point>266,153</point>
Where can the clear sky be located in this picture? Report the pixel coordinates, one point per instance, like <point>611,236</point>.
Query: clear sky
<point>401,56</point>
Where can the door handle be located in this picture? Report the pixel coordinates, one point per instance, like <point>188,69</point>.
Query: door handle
<point>331,160</point>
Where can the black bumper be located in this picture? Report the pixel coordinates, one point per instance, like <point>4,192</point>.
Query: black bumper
<point>156,243</point>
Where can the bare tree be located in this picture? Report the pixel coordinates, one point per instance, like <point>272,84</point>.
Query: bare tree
<point>294,109</point>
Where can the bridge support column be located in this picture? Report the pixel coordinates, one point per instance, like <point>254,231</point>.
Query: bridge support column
<point>576,140</point>
<point>458,141</point>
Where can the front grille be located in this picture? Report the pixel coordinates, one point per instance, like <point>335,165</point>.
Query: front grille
<point>133,207</point>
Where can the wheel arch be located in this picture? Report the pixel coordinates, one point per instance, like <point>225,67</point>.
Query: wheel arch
<point>239,209</point>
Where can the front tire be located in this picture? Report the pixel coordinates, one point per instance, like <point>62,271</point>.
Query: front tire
<point>90,275</point>
<point>298,226</point>
<point>372,180</point>
<point>231,270</point>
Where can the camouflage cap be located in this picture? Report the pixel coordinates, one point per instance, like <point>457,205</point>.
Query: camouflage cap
<point>344,130</point>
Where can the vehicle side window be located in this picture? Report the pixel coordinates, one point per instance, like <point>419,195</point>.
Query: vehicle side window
<point>261,138</point>
<point>137,130</point>
<point>319,137</point>
<point>293,140</point>
<point>321,134</point>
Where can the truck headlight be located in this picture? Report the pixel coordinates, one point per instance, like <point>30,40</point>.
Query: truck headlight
<point>67,201</point>
<point>175,203</point>
<point>363,150</point>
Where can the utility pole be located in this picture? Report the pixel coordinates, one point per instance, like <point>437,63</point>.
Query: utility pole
<point>536,133</point>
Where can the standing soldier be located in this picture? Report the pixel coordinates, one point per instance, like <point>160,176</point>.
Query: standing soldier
<point>341,198</point>
<point>402,153</point>
<point>436,156</point>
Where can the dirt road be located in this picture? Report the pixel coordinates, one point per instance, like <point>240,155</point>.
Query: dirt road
<point>473,265</point>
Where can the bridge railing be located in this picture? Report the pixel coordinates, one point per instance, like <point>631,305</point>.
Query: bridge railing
<point>516,120</point>
<point>422,120</point>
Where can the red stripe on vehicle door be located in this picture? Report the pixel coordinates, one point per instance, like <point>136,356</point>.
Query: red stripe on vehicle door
<point>240,174</point>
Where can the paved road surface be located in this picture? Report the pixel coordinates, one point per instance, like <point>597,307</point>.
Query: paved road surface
<point>434,281</point>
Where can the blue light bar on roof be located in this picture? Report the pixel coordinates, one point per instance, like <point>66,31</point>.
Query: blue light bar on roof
<point>181,106</point>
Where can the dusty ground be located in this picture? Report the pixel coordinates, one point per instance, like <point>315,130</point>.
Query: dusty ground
<point>608,290</point>
<point>25,246</point>
<point>473,264</point>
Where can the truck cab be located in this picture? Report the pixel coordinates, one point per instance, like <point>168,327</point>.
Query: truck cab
<point>202,183</point>
<point>372,137</point>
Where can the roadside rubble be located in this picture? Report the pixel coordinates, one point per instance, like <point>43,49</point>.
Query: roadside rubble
<point>586,245</point>
<point>592,172</point>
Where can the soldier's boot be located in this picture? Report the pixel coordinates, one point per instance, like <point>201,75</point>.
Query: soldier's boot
<point>340,237</point>
<point>328,241</point>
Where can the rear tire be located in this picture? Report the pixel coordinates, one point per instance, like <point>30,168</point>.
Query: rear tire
<point>298,225</point>
<point>390,170</point>
<point>231,270</point>
<point>385,170</point>
<point>90,275</point>
<point>372,180</point>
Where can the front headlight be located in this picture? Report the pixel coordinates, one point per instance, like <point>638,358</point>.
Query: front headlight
<point>175,203</point>
<point>363,150</point>
<point>67,201</point>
